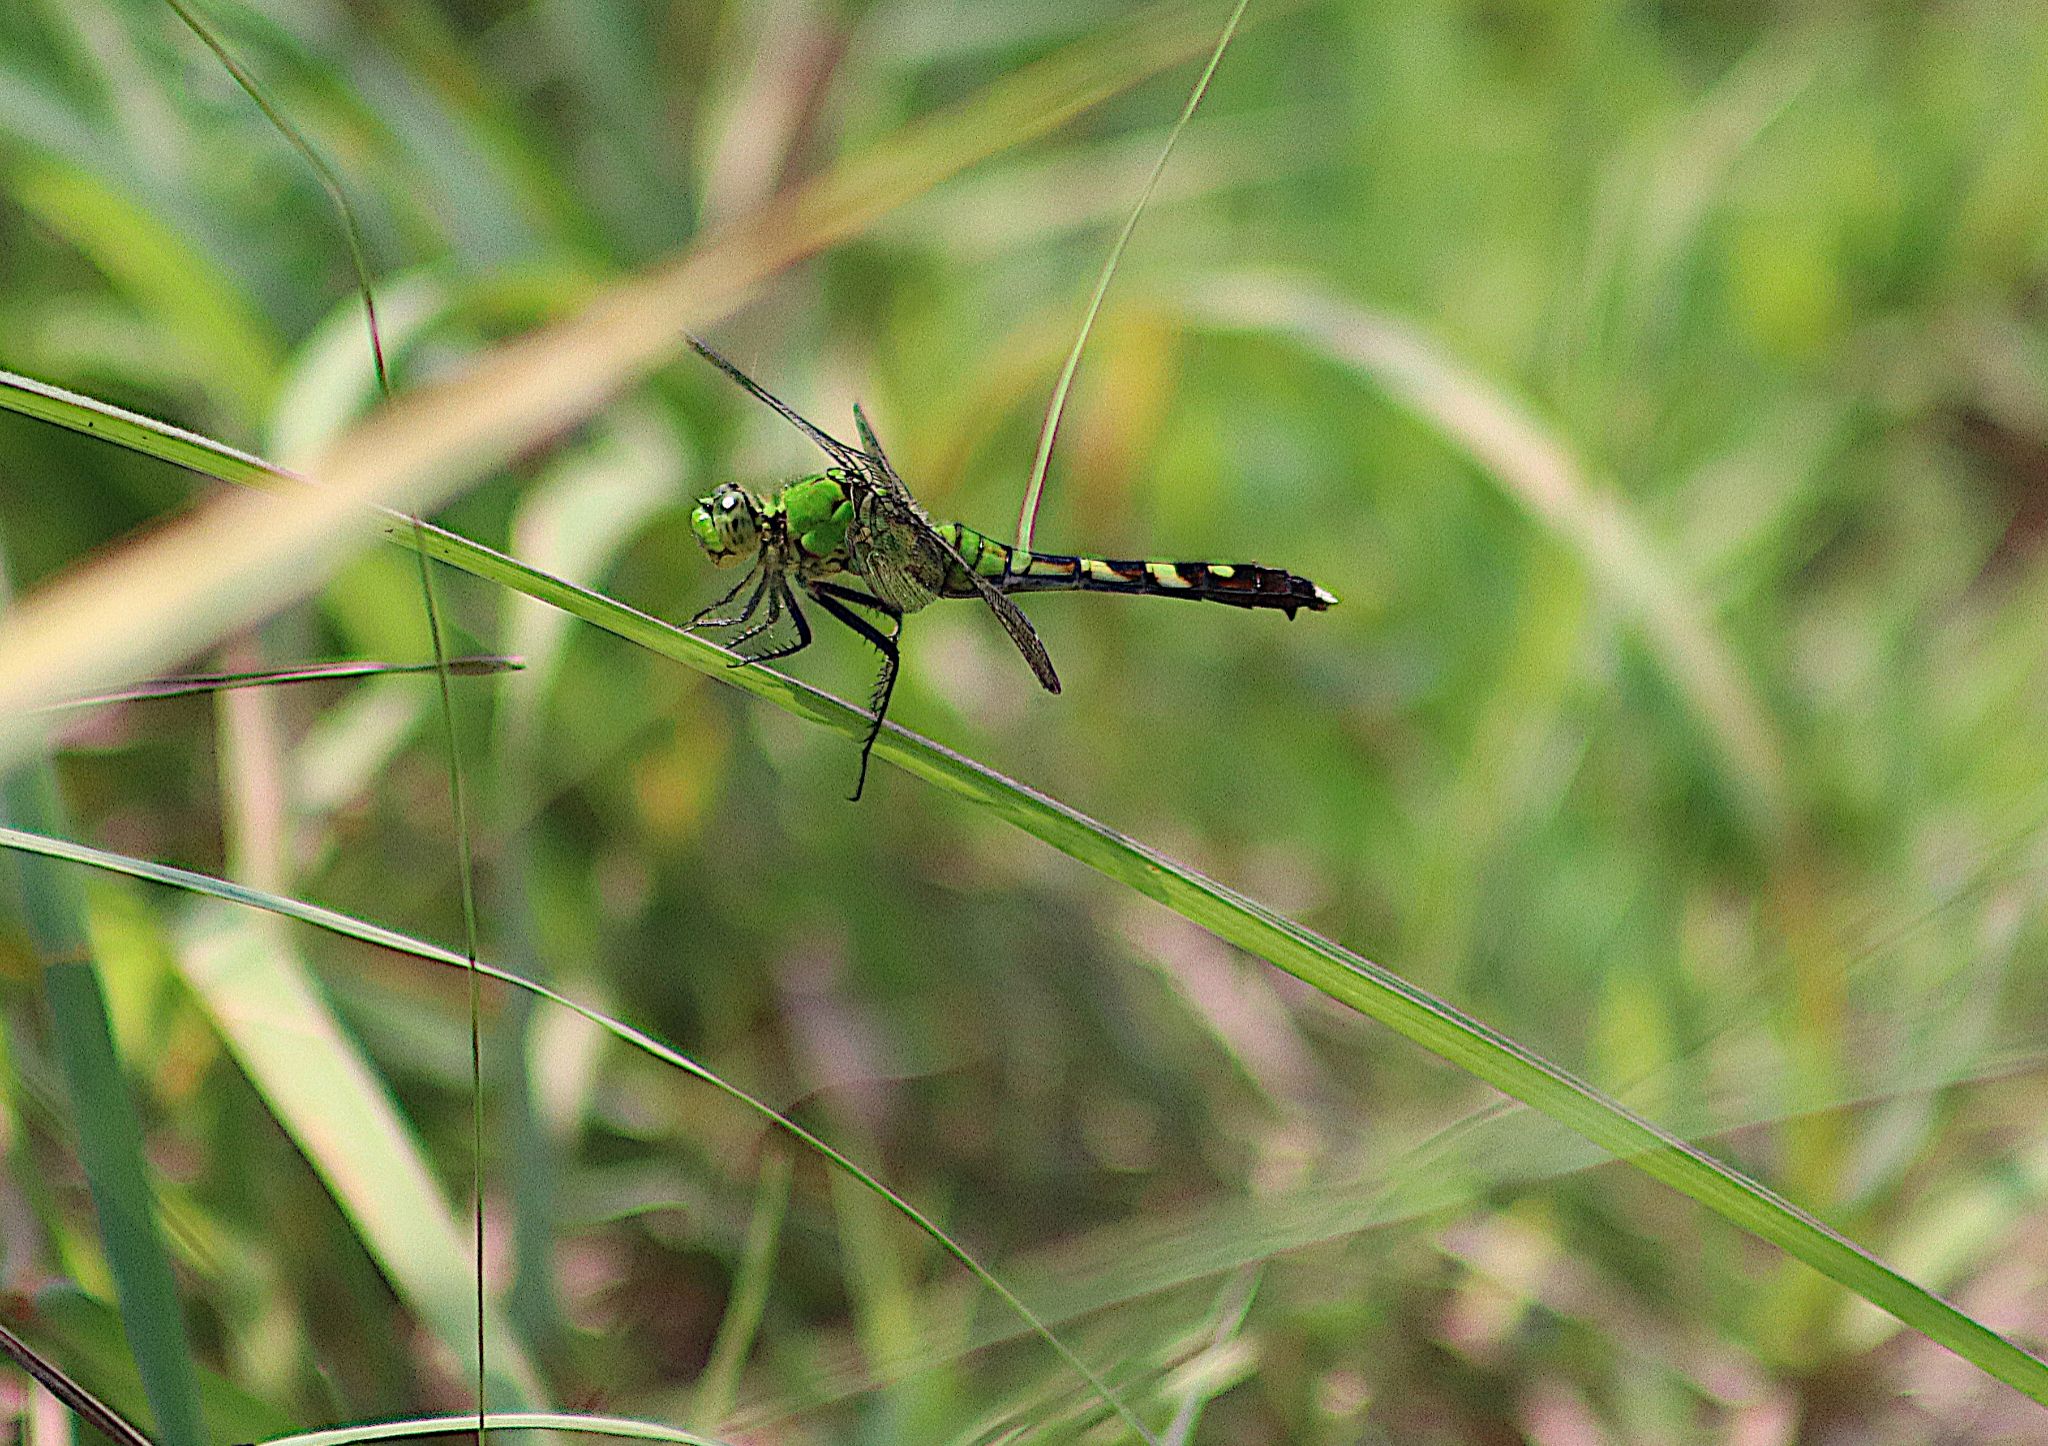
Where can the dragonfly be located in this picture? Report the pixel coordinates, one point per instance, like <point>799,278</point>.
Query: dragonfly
<point>855,542</point>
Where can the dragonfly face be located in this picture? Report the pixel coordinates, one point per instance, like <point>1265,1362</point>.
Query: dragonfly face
<point>728,524</point>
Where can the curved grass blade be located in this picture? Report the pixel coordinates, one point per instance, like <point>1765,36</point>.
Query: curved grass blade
<point>1541,475</point>
<point>261,998</point>
<point>622,1427</point>
<point>338,923</point>
<point>185,685</point>
<point>1347,977</point>
<point>329,182</point>
<point>1027,515</point>
<point>718,1385</point>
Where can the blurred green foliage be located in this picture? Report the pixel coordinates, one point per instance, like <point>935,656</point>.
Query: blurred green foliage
<point>1770,280</point>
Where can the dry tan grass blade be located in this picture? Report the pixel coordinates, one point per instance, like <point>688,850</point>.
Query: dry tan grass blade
<point>164,598</point>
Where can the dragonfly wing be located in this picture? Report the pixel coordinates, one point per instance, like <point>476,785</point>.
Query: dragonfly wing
<point>892,547</point>
<point>830,445</point>
<point>893,535</point>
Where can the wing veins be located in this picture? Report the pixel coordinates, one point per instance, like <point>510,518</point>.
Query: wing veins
<point>830,445</point>
<point>890,486</point>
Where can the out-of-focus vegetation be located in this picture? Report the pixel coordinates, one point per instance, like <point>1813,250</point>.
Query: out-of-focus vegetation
<point>1664,389</point>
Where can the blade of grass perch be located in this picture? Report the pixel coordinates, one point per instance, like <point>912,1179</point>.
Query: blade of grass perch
<point>1027,515</point>
<point>241,557</point>
<point>1346,977</point>
<point>110,1147</point>
<point>1540,474</point>
<point>44,846</point>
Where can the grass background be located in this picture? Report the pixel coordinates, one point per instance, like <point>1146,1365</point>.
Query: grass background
<point>1661,389</point>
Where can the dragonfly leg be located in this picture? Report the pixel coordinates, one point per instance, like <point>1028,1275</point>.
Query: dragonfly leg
<point>704,613</point>
<point>774,615</point>
<point>803,631</point>
<point>863,600</point>
<point>703,618</point>
<point>829,597</point>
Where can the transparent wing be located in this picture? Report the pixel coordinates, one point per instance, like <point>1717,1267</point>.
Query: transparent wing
<point>830,445</point>
<point>895,545</point>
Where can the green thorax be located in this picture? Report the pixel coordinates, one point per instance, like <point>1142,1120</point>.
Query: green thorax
<point>814,514</point>
<point>815,511</point>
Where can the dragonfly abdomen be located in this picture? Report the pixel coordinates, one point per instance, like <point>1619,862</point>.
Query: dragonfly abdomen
<point>1238,584</point>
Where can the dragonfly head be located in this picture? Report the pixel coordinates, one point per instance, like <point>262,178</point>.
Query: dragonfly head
<point>728,524</point>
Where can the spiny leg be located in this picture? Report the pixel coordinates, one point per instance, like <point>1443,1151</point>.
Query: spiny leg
<point>861,599</point>
<point>803,630</point>
<point>828,596</point>
<point>703,613</point>
<point>753,603</point>
<point>773,616</point>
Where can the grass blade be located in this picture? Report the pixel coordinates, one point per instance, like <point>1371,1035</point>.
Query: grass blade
<point>619,1426</point>
<point>718,1386</point>
<point>464,859</point>
<point>185,685</point>
<point>109,1132</point>
<point>284,1042</point>
<point>83,1403</point>
<point>1027,515</point>
<point>1347,977</point>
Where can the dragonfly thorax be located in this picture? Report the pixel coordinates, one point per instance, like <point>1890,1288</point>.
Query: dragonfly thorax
<point>728,524</point>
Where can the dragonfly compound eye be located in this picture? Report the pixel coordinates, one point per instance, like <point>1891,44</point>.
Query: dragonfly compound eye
<point>727,524</point>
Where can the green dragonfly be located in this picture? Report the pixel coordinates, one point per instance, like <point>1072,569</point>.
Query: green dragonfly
<point>857,522</point>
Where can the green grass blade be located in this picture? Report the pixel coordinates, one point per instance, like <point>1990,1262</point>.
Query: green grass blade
<point>718,1386</point>
<point>1027,515</point>
<point>185,685</point>
<point>84,1332</point>
<point>110,1150</point>
<point>314,1080</point>
<point>464,853</point>
<point>109,1132</point>
<point>290,1043</point>
<point>329,182</point>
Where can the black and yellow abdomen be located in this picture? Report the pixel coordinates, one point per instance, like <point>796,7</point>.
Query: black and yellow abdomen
<point>1238,584</point>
